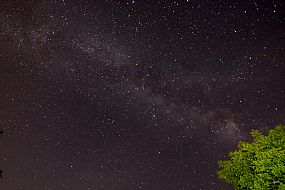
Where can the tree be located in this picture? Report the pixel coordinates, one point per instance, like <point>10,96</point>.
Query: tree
<point>258,165</point>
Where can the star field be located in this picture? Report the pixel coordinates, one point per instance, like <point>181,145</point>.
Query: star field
<point>122,95</point>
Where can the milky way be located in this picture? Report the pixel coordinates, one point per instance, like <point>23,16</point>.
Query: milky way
<point>118,95</point>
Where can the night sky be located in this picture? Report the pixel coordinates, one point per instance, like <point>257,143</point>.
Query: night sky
<point>129,95</point>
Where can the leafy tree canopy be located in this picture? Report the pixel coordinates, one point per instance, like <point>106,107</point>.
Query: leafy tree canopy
<point>259,165</point>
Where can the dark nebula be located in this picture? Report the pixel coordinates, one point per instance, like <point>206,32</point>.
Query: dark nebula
<point>127,95</point>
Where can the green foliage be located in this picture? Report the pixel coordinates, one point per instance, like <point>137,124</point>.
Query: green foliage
<point>259,165</point>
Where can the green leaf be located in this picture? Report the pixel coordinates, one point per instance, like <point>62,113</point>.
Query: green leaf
<point>259,165</point>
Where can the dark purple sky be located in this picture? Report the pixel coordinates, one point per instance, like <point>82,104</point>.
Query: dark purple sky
<point>127,95</point>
